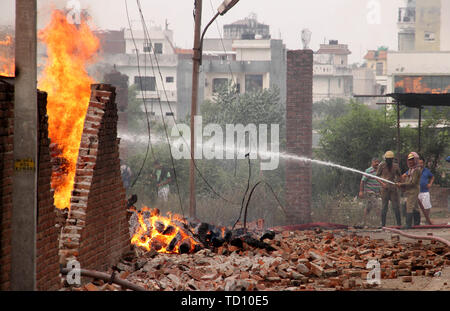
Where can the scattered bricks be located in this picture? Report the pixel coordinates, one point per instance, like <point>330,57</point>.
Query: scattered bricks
<point>303,269</point>
<point>330,273</point>
<point>395,237</point>
<point>403,272</point>
<point>317,270</point>
<point>91,287</point>
<point>407,279</point>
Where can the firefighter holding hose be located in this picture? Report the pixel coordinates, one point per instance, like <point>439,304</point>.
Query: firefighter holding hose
<point>411,186</point>
<point>390,171</point>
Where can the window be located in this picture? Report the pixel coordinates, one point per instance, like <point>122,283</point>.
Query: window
<point>339,83</point>
<point>158,48</point>
<point>429,36</point>
<point>145,83</point>
<point>380,69</point>
<point>147,47</point>
<point>219,83</point>
<point>169,113</point>
<point>253,83</point>
<point>169,79</point>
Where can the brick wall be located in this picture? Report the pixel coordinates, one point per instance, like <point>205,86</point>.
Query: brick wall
<point>6,171</point>
<point>299,134</point>
<point>47,259</point>
<point>47,266</point>
<point>96,231</point>
<point>439,198</point>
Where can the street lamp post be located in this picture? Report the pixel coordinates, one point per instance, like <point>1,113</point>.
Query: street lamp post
<point>197,59</point>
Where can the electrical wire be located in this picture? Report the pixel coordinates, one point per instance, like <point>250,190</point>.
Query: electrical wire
<point>194,162</point>
<point>149,143</point>
<point>147,37</point>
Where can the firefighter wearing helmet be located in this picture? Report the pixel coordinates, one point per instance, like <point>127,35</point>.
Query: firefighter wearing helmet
<point>390,171</point>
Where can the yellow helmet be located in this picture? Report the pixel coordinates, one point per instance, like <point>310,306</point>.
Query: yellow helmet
<point>389,155</point>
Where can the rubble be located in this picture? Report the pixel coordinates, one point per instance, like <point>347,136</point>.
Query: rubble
<point>300,260</point>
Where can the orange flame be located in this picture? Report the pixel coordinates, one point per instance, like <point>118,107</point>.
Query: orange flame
<point>7,65</point>
<point>416,85</point>
<point>158,232</point>
<point>70,49</point>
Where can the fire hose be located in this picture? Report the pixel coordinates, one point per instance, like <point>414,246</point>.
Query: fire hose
<point>106,277</point>
<point>419,237</point>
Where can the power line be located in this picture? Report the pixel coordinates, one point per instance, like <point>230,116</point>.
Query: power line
<point>173,116</point>
<point>149,143</point>
<point>148,39</point>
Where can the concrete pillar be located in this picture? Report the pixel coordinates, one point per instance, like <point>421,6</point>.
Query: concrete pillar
<point>23,242</point>
<point>299,134</point>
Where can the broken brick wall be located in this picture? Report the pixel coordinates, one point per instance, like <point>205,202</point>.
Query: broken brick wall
<point>96,231</point>
<point>299,134</point>
<point>47,258</point>
<point>6,180</point>
<point>47,264</point>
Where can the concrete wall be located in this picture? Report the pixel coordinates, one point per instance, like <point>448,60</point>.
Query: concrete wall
<point>299,134</point>
<point>445,25</point>
<point>428,19</point>
<point>418,63</point>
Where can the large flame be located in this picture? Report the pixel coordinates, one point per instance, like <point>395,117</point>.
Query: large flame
<point>70,48</point>
<point>7,64</point>
<point>159,232</point>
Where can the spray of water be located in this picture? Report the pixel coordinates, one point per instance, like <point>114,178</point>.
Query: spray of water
<point>264,155</point>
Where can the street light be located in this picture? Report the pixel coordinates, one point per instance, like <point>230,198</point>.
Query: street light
<point>197,59</point>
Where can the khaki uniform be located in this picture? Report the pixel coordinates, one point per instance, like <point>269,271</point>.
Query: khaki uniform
<point>390,193</point>
<point>412,190</point>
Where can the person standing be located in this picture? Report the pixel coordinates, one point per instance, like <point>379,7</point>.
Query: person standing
<point>369,189</point>
<point>426,181</point>
<point>411,187</point>
<point>390,171</point>
<point>162,178</point>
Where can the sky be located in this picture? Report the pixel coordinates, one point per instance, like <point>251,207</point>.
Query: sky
<point>362,24</point>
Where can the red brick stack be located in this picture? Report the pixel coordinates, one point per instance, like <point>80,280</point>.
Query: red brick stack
<point>299,134</point>
<point>6,175</point>
<point>96,232</point>
<point>47,265</point>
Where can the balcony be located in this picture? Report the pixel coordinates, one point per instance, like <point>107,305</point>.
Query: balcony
<point>406,17</point>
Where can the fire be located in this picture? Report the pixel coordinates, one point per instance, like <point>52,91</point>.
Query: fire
<point>7,65</point>
<point>416,85</point>
<point>164,234</point>
<point>70,48</point>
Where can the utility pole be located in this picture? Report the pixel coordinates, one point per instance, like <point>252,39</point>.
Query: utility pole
<point>23,239</point>
<point>195,74</point>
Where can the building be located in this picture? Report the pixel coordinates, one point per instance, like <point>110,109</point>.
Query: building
<point>246,56</point>
<point>422,63</point>
<point>247,28</point>
<point>156,59</point>
<point>333,76</point>
<point>424,25</point>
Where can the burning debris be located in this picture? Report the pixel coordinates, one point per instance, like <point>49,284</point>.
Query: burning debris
<point>174,235</point>
<point>171,234</point>
<point>70,49</point>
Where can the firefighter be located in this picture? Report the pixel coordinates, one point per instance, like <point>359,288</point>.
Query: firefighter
<point>390,171</point>
<point>411,187</point>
